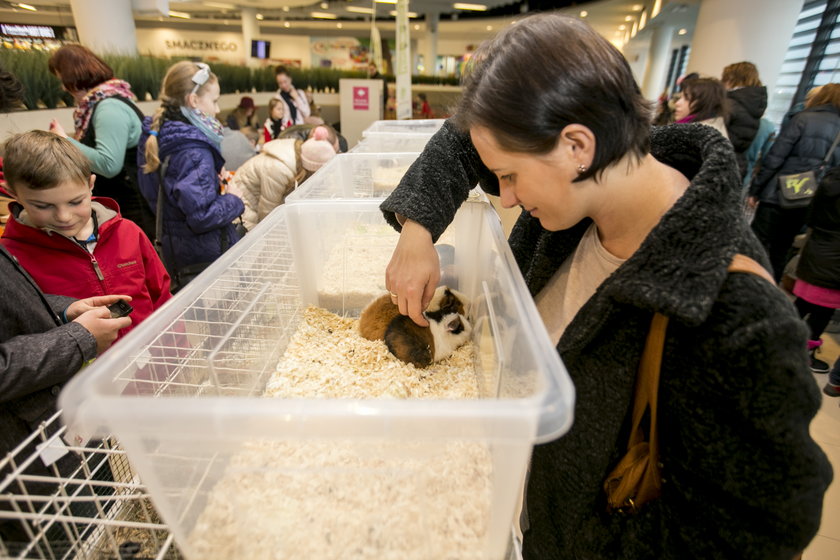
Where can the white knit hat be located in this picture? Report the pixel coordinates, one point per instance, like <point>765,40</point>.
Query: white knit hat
<point>316,151</point>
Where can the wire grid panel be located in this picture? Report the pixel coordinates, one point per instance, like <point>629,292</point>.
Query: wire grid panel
<point>88,504</point>
<point>228,339</point>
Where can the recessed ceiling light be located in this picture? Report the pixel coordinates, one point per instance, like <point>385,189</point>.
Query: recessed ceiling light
<point>628,18</point>
<point>322,15</point>
<point>583,13</point>
<point>637,7</point>
<point>221,5</point>
<point>286,24</point>
<point>473,7</point>
<point>260,17</point>
<point>489,28</point>
<point>622,26</point>
<point>26,7</point>
<point>682,31</point>
<point>416,27</point>
<point>285,8</point>
<point>182,15</point>
<point>360,10</point>
<point>410,14</point>
<point>325,5</point>
<point>386,1</point>
<point>339,25</point>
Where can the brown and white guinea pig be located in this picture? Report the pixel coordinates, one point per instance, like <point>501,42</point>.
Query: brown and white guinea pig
<point>448,327</point>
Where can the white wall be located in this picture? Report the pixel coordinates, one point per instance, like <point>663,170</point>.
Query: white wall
<point>757,31</point>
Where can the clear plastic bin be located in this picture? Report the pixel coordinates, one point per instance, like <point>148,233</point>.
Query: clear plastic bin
<point>355,175</point>
<point>391,142</point>
<point>182,392</point>
<point>422,126</point>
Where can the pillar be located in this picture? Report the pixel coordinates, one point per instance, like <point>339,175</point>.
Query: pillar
<point>756,31</point>
<point>659,55</point>
<point>105,26</point>
<point>250,31</point>
<point>430,52</point>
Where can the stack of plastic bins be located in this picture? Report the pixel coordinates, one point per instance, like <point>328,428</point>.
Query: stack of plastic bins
<point>80,502</point>
<point>183,393</point>
<point>397,136</point>
<point>355,176</point>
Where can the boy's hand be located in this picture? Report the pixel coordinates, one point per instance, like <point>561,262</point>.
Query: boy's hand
<point>78,307</point>
<point>56,128</point>
<point>103,328</point>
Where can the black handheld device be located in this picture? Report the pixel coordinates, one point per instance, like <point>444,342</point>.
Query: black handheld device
<point>120,309</point>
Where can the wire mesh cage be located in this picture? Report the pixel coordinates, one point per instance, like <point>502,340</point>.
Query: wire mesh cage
<point>80,502</point>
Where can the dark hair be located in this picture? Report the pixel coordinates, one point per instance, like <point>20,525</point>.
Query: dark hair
<point>281,70</point>
<point>41,160</point>
<point>740,74</point>
<point>706,98</point>
<point>689,76</point>
<point>582,78</point>
<point>11,91</point>
<point>78,68</point>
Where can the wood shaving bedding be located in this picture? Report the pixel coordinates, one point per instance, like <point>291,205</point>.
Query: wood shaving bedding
<point>360,498</point>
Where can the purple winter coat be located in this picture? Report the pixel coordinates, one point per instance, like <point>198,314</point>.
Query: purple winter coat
<point>197,220</point>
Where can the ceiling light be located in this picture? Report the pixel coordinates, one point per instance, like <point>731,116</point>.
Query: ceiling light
<point>489,28</point>
<point>285,8</point>
<point>583,13</point>
<point>182,15</point>
<point>386,1</point>
<point>416,28</point>
<point>322,15</point>
<point>26,7</point>
<point>682,31</point>
<point>221,5</point>
<point>339,25</point>
<point>628,18</point>
<point>410,14</point>
<point>643,20</point>
<point>473,7</point>
<point>286,24</point>
<point>325,5</point>
<point>637,7</point>
<point>622,26</point>
<point>360,10</point>
<point>260,17</point>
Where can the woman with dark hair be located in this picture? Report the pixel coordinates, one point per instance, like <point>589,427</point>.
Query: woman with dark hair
<point>801,145</point>
<point>747,103</point>
<point>703,101</point>
<point>622,223</point>
<point>108,126</point>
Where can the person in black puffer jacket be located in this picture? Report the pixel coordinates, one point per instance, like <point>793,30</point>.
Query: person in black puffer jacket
<point>747,103</point>
<point>800,146</point>
<point>817,287</point>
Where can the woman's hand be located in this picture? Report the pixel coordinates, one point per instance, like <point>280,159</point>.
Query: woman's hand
<point>414,271</point>
<point>81,306</point>
<point>56,128</point>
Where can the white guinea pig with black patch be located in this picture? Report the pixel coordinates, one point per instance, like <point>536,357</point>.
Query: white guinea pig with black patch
<point>420,346</point>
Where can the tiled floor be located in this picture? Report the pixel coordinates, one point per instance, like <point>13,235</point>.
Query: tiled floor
<point>825,429</point>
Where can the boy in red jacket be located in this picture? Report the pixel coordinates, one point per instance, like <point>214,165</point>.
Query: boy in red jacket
<point>71,243</point>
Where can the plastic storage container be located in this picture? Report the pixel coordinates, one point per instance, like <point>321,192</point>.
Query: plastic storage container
<point>414,126</point>
<point>182,392</point>
<point>355,175</point>
<point>391,142</point>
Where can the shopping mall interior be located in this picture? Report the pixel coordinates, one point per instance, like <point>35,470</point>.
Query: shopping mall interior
<point>421,47</point>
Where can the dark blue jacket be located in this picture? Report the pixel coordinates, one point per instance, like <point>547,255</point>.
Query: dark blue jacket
<point>197,219</point>
<point>800,146</point>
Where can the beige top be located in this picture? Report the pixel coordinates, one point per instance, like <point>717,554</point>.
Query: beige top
<point>574,283</point>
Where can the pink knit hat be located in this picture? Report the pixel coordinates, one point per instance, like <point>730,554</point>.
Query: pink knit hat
<point>317,150</point>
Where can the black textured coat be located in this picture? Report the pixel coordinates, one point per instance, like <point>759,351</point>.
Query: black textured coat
<point>746,106</point>
<point>743,478</point>
<point>800,146</point>
<point>819,261</point>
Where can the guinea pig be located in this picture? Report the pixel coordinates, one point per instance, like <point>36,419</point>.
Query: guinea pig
<point>448,327</point>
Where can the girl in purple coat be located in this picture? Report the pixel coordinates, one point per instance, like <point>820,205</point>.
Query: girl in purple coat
<point>180,144</point>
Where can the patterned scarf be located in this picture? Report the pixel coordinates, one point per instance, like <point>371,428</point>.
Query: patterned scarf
<point>111,88</point>
<point>209,125</point>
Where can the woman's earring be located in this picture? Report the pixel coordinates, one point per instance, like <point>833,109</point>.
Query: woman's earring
<point>581,169</point>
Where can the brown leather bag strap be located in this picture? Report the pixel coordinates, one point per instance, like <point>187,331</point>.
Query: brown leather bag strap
<point>743,263</point>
